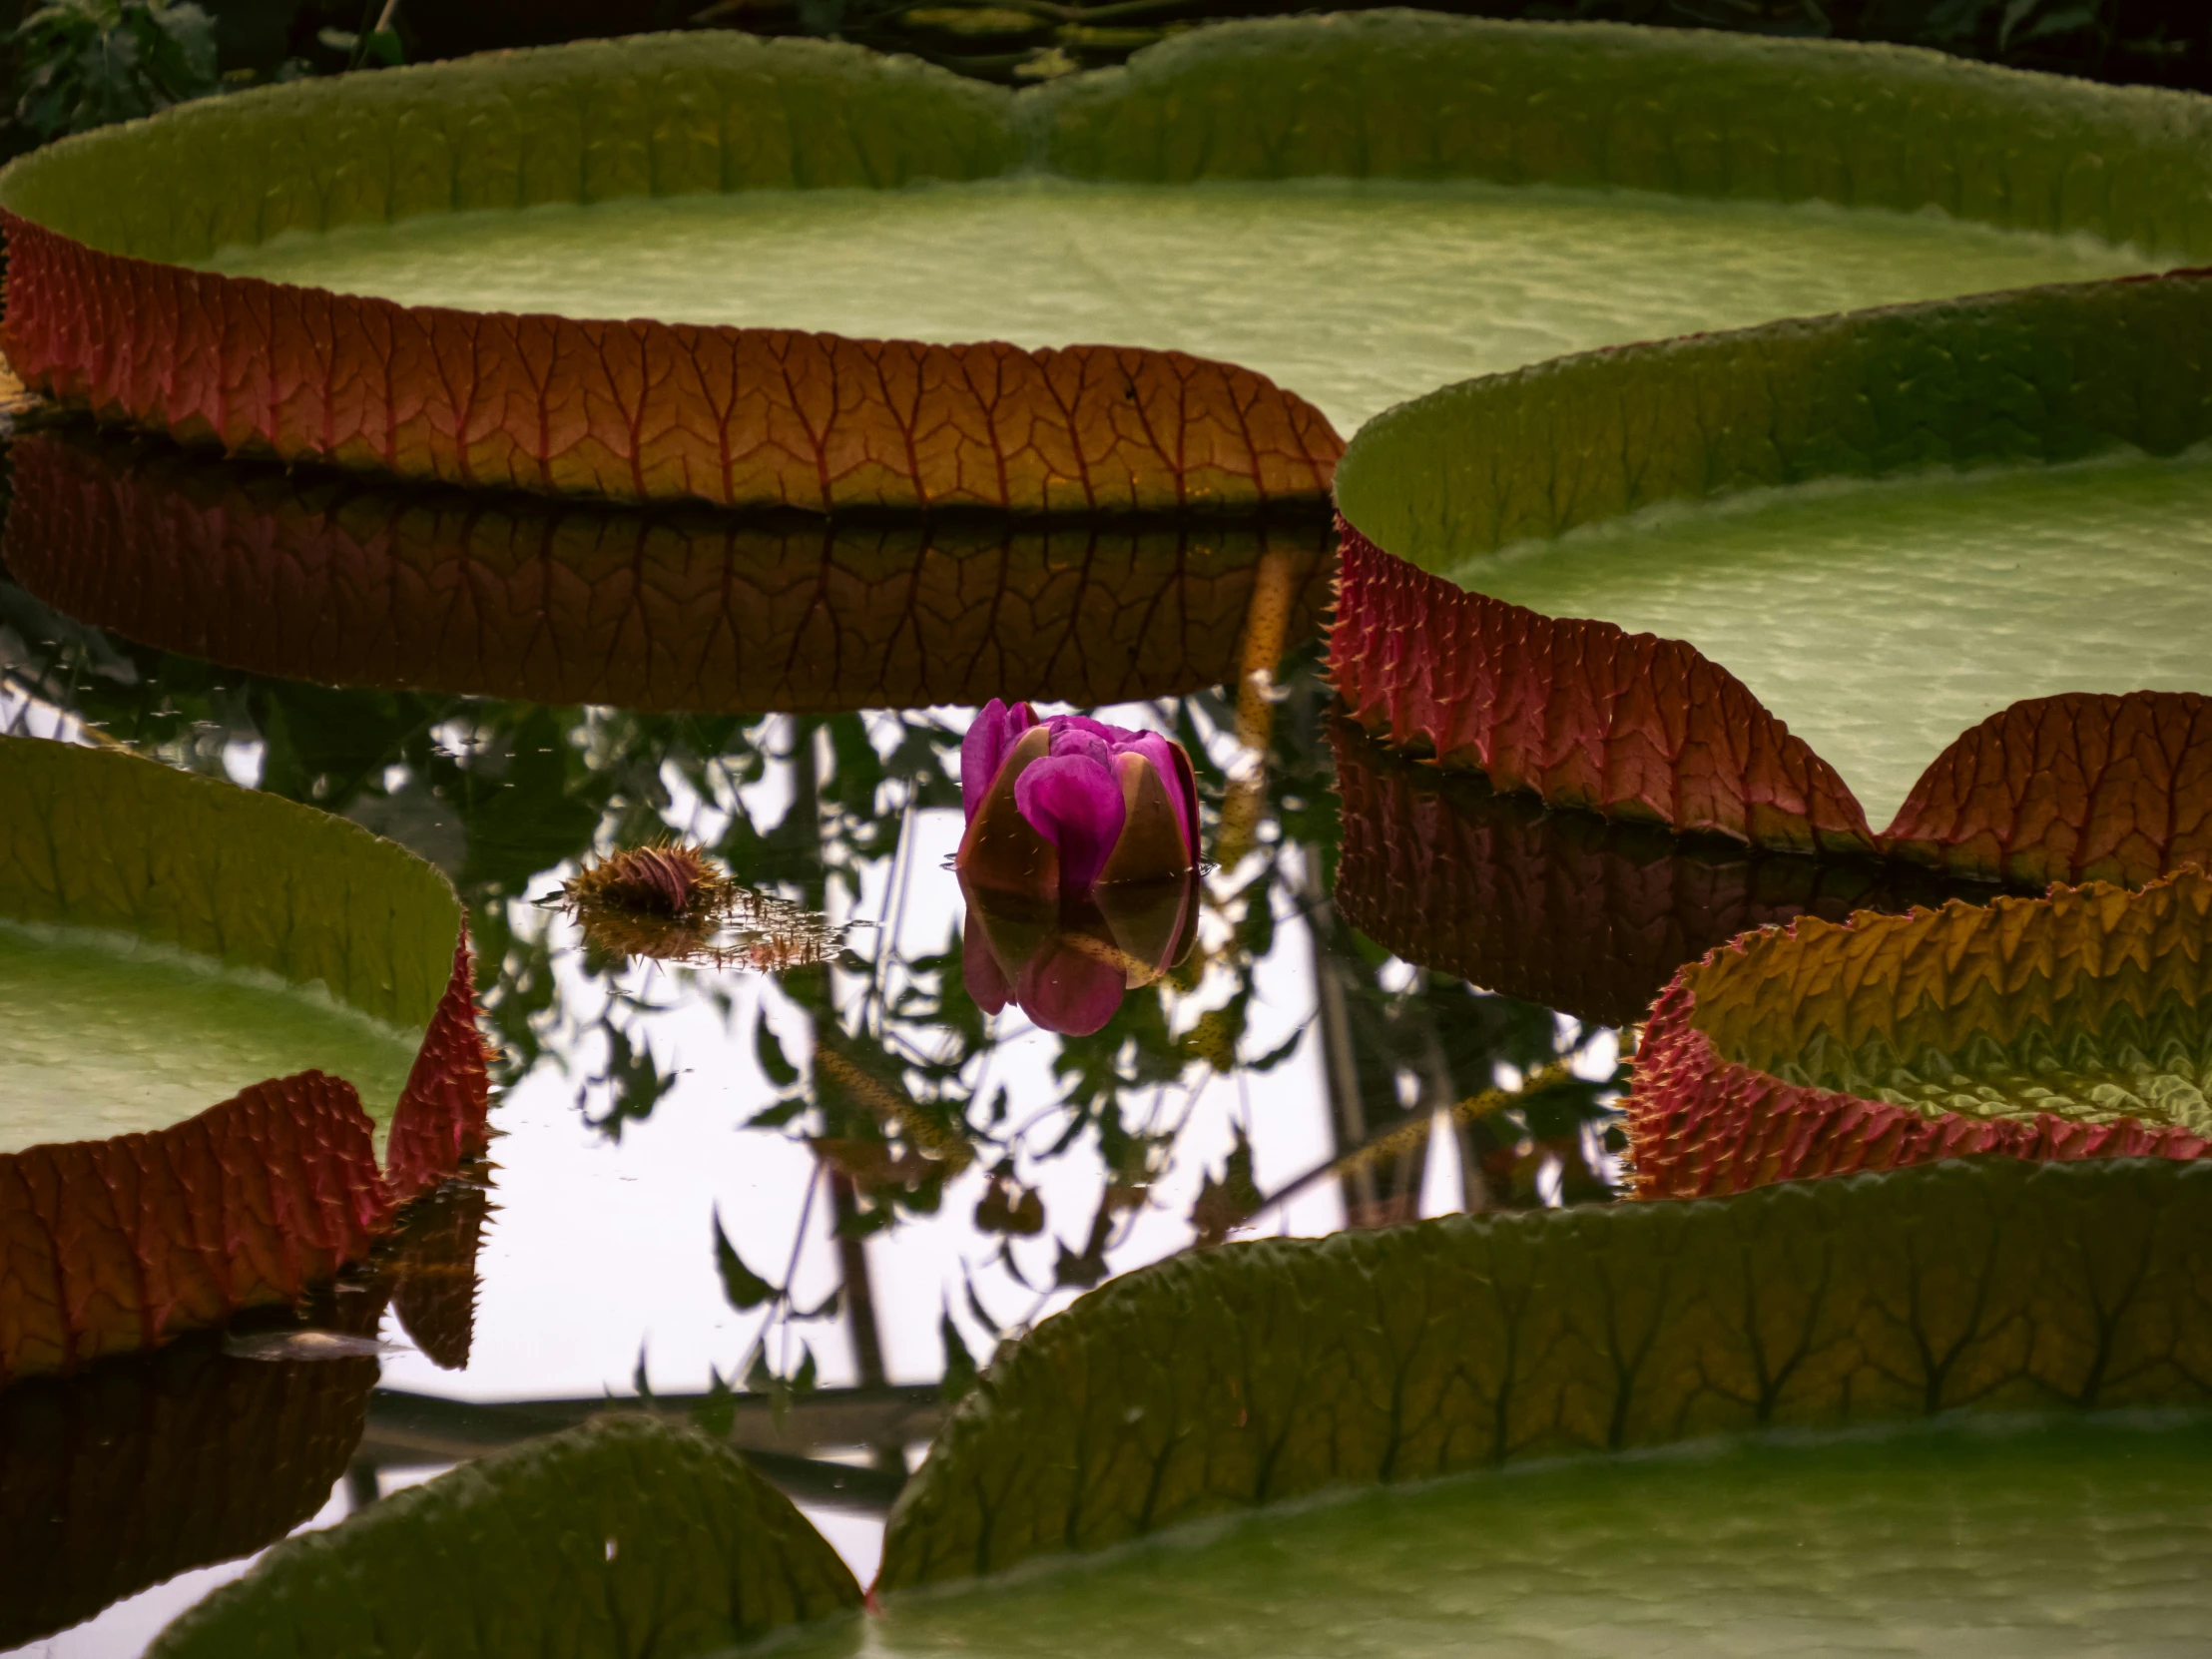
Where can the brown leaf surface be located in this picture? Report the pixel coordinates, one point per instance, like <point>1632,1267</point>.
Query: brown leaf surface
<point>441,1120</point>
<point>314,576</point>
<point>1708,1112</point>
<point>649,411</point>
<point>1578,712</point>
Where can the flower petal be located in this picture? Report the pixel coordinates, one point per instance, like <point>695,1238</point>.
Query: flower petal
<point>1174,768</point>
<point>1001,849</point>
<point>983,750</point>
<point>1075,801</point>
<point>1151,847</point>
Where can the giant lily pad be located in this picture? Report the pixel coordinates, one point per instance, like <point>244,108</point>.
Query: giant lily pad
<point>327,579</point>
<point>1256,1373</point>
<point>2058,1539</point>
<point>1965,504</point>
<point>187,963</point>
<point>625,1537</point>
<point>2076,1025</point>
<point>1581,914</point>
<point>1189,172</point>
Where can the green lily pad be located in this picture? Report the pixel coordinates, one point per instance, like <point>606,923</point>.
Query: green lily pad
<point>205,983</point>
<point>109,1036</point>
<point>1881,620</point>
<point>1357,205</point>
<point>1259,1373</point>
<point>1882,529</point>
<point>1450,279</point>
<point>2065,1539</point>
<point>628,1537</point>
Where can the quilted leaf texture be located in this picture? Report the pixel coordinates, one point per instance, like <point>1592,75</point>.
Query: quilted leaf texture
<point>140,1470</point>
<point>1581,713</point>
<point>442,1112</point>
<point>111,1245</point>
<point>628,1537</point>
<point>644,411</point>
<point>1259,1372</point>
<point>122,1243</point>
<point>2073,1026</point>
<point>1581,914</point>
<point>316,576</point>
<point>2080,788</point>
<point>1632,726</point>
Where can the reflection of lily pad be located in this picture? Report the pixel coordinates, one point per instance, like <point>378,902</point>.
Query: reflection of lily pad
<point>145,1467</point>
<point>102,227</point>
<point>324,579</point>
<point>627,1537</point>
<point>1581,914</point>
<point>2060,1539</point>
<point>1252,1373</point>
<point>258,947</point>
<point>1641,726</point>
<point>2077,1025</point>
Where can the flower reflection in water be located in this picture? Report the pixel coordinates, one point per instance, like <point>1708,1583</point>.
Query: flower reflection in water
<point>1066,961</point>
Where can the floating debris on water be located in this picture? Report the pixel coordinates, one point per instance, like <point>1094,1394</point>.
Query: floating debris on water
<point>306,1345</point>
<point>674,903</point>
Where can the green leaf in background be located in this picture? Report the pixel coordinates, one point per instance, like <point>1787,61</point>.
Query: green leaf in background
<point>92,62</point>
<point>627,1538</point>
<point>959,1365</point>
<point>767,1048</point>
<point>744,1288</point>
<point>1255,1372</point>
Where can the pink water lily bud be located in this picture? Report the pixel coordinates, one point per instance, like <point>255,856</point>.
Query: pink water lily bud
<point>1067,960</point>
<point>1068,804</point>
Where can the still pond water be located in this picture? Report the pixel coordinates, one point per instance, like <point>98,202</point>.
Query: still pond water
<point>519,687</point>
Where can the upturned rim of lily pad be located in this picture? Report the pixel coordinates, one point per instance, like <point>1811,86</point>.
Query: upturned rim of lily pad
<point>104,311</point>
<point>141,1236</point>
<point>2071,788</point>
<point>1821,1048</point>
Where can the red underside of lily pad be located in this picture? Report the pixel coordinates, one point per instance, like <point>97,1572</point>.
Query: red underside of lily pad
<point>2080,786</point>
<point>1706,1115</point>
<point>639,412</point>
<point>114,1245</point>
<point>1578,912</point>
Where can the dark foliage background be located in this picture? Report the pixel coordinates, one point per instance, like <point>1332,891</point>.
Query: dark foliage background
<point>69,64</point>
